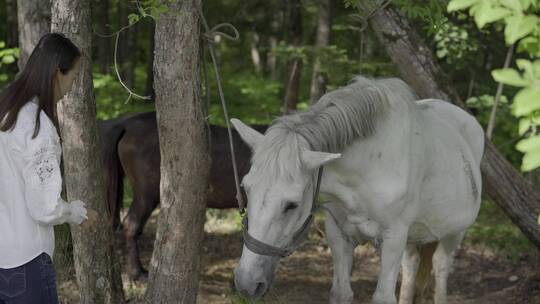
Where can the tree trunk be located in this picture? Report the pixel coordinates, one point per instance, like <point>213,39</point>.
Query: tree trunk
<point>255,54</point>
<point>324,27</point>
<point>34,20</point>
<point>35,17</point>
<point>104,48</point>
<point>97,270</point>
<point>174,270</point>
<point>292,81</point>
<point>126,42</point>
<point>502,182</point>
<point>131,56</point>
<point>150,64</point>
<point>12,37</point>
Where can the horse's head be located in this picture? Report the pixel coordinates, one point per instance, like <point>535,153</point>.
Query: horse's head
<point>280,188</point>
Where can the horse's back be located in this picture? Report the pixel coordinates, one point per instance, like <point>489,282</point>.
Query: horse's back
<point>465,123</point>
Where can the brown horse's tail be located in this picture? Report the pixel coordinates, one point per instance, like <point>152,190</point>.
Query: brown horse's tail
<point>424,269</point>
<point>111,132</point>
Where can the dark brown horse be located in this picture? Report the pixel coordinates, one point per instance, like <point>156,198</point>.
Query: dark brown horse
<point>131,148</point>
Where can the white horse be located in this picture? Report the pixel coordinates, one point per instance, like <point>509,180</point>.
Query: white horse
<point>397,171</point>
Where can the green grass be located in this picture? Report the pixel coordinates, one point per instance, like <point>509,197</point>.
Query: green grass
<point>494,231</point>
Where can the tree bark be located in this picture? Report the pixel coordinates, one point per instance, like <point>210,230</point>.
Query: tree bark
<point>104,47</point>
<point>174,269</point>
<point>502,182</point>
<point>292,81</point>
<point>150,64</point>
<point>126,44</point>
<point>97,270</point>
<point>34,20</point>
<point>131,59</point>
<point>271,58</point>
<point>12,37</point>
<point>255,54</point>
<point>324,27</point>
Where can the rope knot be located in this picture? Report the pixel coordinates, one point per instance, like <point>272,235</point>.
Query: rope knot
<point>217,30</point>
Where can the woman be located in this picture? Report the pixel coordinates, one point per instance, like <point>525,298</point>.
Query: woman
<point>30,177</point>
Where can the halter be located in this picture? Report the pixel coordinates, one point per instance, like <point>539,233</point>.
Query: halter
<point>262,248</point>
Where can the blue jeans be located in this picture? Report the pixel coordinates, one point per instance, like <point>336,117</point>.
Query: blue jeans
<point>31,283</point>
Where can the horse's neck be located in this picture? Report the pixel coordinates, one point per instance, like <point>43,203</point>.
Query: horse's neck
<point>368,157</point>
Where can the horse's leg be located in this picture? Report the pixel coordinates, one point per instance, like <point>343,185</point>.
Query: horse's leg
<point>138,214</point>
<point>409,268</point>
<point>442,264</point>
<point>394,239</point>
<point>342,255</point>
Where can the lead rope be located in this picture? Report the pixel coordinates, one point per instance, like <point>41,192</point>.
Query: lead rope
<point>208,36</point>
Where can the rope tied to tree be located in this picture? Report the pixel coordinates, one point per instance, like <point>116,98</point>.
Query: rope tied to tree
<point>363,20</point>
<point>208,36</point>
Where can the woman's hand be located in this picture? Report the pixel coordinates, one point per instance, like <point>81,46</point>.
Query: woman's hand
<point>78,212</point>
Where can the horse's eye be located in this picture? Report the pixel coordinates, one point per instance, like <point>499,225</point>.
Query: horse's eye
<point>290,206</point>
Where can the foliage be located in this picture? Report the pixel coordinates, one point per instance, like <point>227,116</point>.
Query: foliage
<point>522,27</point>
<point>495,232</point>
<point>147,8</point>
<point>453,42</point>
<point>112,99</point>
<point>8,57</point>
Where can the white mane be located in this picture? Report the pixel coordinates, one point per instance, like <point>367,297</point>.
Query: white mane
<point>334,122</point>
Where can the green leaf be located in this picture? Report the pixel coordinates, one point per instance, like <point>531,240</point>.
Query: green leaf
<point>163,8</point>
<point>8,59</point>
<point>526,123</point>
<point>525,4</point>
<point>526,101</point>
<point>509,76</point>
<point>531,45</point>
<point>518,27</point>
<point>456,5</point>
<point>531,147</point>
<point>486,13</point>
<point>514,5</point>
<point>529,144</point>
<point>2,44</point>
<point>538,219</point>
<point>133,18</point>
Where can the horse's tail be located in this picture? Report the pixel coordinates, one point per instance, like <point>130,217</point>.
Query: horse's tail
<point>424,268</point>
<point>111,133</point>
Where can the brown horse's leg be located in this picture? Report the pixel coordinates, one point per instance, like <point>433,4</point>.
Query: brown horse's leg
<point>134,222</point>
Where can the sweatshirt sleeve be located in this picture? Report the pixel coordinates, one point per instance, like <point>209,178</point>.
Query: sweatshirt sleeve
<point>42,176</point>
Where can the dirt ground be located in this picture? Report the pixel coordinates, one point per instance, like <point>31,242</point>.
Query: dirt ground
<point>306,276</point>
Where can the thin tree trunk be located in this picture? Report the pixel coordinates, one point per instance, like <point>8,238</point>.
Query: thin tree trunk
<point>12,37</point>
<point>150,64</point>
<point>502,182</point>
<point>276,23</point>
<point>35,16</point>
<point>126,52</point>
<point>104,46</point>
<point>131,59</point>
<point>324,26</point>
<point>498,94</point>
<point>255,55</point>
<point>34,20</point>
<point>97,271</point>
<point>174,269</point>
<point>271,59</point>
<point>292,81</point>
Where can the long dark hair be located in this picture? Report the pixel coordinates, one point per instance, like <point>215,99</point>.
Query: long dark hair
<point>36,79</point>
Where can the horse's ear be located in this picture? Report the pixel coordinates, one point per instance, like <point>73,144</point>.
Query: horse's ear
<point>313,160</point>
<point>251,136</point>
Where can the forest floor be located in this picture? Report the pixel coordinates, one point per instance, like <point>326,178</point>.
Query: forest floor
<point>479,276</point>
